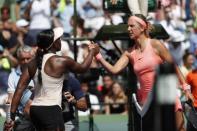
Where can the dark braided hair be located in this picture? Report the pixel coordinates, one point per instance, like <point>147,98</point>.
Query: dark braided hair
<point>44,41</point>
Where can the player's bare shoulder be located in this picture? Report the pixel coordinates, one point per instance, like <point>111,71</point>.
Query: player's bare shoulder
<point>157,44</point>
<point>65,60</point>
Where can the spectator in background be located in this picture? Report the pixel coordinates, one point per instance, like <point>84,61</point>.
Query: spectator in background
<point>8,39</point>
<point>64,13</point>
<point>92,8</point>
<point>106,88</point>
<point>5,69</point>
<point>8,33</point>
<point>22,29</point>
<point>177,47</point>
<point>92,101</point>
<point>136,6</point>
<point>192,80</point>
<point>112,18</point>
<point>116,101</point>
<point>24,55</point>
<point>7,52</point>
<point>38,13</point>
<point>20,8</point>
<point>190,10</point>
<point>166,3</point>
<point>5,21</point>
<point>188,62</point>
<point>164,18</point>
<point>93,13</point>
<point>81,30</point>
<point>176,10</point>
<point>170,24</point>
<point>193,44</point>
<point>176,17</point>
<point>71,88</point>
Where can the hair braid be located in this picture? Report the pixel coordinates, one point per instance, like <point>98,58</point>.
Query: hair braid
<point>39,58</point>
<point>44,40</point>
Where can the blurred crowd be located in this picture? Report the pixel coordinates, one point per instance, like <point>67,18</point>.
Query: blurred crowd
<point>178,17</point>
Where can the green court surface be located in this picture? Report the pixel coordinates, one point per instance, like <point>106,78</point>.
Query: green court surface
<point>101,123</point>
<point>1,123</point>
<point>105,123</point>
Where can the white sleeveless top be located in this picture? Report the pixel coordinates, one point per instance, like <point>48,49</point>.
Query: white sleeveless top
<point>50,92</point>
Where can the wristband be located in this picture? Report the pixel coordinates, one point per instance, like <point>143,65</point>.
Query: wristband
<point>98,56</point>
<point>12,116</point>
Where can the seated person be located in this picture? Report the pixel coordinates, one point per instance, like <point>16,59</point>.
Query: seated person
<point>92,101</point>
<point>116,101</point>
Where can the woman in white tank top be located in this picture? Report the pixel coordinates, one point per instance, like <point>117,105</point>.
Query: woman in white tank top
<point>47,70</point>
